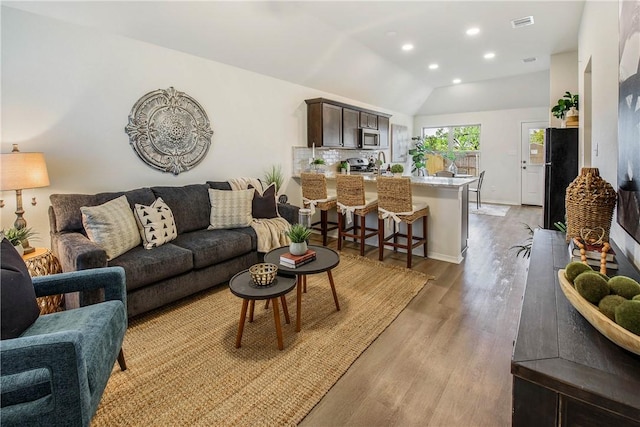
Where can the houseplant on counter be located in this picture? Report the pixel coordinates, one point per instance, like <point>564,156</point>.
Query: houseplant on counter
<point>397,169</point>
<point>299,234</point>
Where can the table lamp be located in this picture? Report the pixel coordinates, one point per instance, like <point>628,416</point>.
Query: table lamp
<point>19,171</point>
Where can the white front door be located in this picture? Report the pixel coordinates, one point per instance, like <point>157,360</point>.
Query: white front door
<point>532,162</point>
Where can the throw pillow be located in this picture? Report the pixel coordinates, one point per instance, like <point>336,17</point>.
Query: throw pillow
<point>18,302</point>
<point>230,209</point>
<point>111,226</point>
<point>264,205</point>
<point>156,223</point>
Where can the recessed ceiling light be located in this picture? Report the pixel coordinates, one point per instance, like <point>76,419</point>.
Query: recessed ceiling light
<point>407,46</point>
<point>489,55</point>
<point>529,59</point>
<point>392,33</point>
<point>456,81</point>
<point>522,22</point>
<point>433,66</point>
<point>473,31</point>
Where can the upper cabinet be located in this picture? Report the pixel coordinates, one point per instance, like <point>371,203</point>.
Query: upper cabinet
<point>335,124</point>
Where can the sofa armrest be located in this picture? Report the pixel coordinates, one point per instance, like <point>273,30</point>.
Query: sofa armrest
<point>76,252</point>
<point>288,212</point>
<point>60,354</point>
<point>111,279</point>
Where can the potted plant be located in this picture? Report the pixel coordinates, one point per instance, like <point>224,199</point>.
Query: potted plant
<point>451,156</point>
<point>565,104</point>
<point>274,175</point>
<point>419,152</point>
<point>299,234</point>
<point>343,166</point>
<point>397,169</point>
<point>317,163</point>
<point>17,235</point>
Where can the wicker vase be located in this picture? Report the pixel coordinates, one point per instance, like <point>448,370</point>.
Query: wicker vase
<point>589,204</point>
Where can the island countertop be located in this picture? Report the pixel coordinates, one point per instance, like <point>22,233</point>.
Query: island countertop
<point>427,181</point>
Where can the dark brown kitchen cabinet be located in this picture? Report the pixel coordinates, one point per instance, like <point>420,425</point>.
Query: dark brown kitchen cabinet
<point>368,120</point>
<point>324,125</point>
<point>383,127</point>
<point>350,129</point>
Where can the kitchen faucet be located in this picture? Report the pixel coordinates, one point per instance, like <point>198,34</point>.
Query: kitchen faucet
<point>381,162</point>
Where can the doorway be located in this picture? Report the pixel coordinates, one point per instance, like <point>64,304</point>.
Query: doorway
<point>532,163</point>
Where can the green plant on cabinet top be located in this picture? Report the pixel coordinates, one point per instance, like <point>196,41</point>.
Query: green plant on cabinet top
<point>564,105</point>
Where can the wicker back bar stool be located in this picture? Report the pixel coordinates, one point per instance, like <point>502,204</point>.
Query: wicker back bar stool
<point>395,202</point>
<point>315,196</point>
<point>353,206</point>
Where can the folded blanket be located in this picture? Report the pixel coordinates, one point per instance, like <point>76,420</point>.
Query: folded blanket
<point>270,231</point>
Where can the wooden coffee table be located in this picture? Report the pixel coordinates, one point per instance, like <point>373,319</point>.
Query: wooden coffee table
<point>241,285</point>
<point>326,260</point>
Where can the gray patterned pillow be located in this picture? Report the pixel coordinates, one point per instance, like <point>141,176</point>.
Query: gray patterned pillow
<point>156,223</point>
<point>230,209</point>
<point>112,226</point>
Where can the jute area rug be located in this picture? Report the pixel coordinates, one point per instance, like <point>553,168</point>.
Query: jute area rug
<point>487,209</point>
<point>184,369</point>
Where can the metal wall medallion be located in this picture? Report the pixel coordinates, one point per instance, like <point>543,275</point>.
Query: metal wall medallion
<point>169,130</point>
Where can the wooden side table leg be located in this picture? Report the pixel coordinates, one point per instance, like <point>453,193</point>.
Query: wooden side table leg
<point>333,290</point>
<point>252,305</point>
<point>283,300</point>
<point>243,315</point>
<point>266,304</point>
<point>276,318</point>
<point>298,302</point>
<point>304,283</point>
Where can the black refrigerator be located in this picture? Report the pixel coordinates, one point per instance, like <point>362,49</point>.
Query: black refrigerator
<point>561,168</point>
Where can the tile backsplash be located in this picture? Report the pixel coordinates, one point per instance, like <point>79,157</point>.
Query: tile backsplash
<point>332,156</point>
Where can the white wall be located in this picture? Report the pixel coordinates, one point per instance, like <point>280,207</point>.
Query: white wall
<point>600,48</point>
<point>499,145</point>
<point>563,77</point>
<point>67,91</point>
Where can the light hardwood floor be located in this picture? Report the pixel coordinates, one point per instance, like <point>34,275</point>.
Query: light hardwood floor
<point>445,361</point>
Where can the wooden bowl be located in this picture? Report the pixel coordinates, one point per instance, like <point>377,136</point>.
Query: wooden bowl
<point>607,327</point>
<point>263,274</point>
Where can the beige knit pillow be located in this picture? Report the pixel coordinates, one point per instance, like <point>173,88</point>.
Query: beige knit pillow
<point>230,209</point>
<point>112,226</point>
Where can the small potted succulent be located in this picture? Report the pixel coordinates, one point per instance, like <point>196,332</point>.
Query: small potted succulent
<point>299,234</point>
<point>397,169</point>
<point>343,166</point>
<point>17,235</point>
<point>317,164</point>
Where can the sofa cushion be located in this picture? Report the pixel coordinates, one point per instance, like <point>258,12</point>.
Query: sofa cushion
<point>66,207</point>
<point>230,209</point>
<point>101,325</point>
<point>264,205</point>
<point>215,246</point>
<point>112,226</point>
<point>156,223</point>
<point>18,298</point>
<point>143,267</point>
<point>189,204</point>
<point>219,185</point>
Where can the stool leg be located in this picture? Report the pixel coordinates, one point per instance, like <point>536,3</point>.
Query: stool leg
<point>426,236</point>
<point>380,239</point>
<point>363,231</point>
<point>395,236</point>
<point>409,244</point>
<point>283,300</point>
<point>323,225</point>
<point>333,290</point>
<point>252,305</point>
<point>340,229</point>
<point>243,315</point>
<point>276,318</point>
<point>121,361</point>
<point>355,226</point>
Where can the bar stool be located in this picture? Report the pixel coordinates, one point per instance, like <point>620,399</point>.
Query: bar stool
<point>395,202</point>
<point>353,205</point>
<point>315,196</point>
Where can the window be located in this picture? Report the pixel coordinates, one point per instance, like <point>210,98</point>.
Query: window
<point>461,142</point>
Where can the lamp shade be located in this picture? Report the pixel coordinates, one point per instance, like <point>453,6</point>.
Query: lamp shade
<point>23,170</point>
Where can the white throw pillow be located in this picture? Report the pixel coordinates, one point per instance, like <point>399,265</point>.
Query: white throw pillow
<point>112,226</point>
<point>156,223</point>
<point>230,209</point>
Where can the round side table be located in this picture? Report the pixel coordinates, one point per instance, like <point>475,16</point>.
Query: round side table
<point>42,262</point>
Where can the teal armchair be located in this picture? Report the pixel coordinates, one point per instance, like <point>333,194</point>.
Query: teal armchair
<point>55,372</point>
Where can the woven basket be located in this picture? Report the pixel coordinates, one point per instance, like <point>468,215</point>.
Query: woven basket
<point>263,274</point>
<point>589,204</point>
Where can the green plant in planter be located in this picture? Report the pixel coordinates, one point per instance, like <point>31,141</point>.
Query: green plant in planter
<point>564,104</point>
<point>422,147</point>
<point>397,168</point>
<point>343,165</point>
<point>319,161</point>
<point>16,236</point>
<point>298,233</point>
<point>274,175</point>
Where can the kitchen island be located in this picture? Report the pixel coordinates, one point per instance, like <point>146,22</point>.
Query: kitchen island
<point>448,200</point>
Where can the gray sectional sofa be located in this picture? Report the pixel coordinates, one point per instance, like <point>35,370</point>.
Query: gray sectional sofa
<point>196,260</point>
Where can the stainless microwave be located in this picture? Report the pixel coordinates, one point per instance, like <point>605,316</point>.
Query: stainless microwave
<point>369,138</point>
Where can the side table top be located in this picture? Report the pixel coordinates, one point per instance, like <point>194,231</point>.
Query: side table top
<point>326,259</point>
<point>241,285</point>
<point>37,253</point>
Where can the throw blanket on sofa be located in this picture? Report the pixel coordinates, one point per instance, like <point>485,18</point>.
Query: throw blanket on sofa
<point>270,231</point>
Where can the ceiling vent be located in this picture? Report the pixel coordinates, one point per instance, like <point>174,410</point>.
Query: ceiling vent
<point>530,59</point>
<point>522,22</point>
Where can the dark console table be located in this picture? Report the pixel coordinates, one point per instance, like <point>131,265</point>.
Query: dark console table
<point>565,373</point>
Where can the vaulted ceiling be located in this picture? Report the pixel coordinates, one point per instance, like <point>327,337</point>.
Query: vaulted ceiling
<point>350,48</point>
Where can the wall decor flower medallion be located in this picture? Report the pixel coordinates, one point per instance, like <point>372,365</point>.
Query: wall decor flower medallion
<point>169,130</point>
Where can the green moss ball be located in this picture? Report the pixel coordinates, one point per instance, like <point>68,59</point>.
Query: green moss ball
<point>608,304</point>
<point>636,298</point>
<point>624,286</point>
<point>573,269</point>
<point>592,287</point>
<point>604,276</point>
<point>628,316</point>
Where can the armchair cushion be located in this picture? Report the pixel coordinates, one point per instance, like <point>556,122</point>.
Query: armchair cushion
<point>19,306</point>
